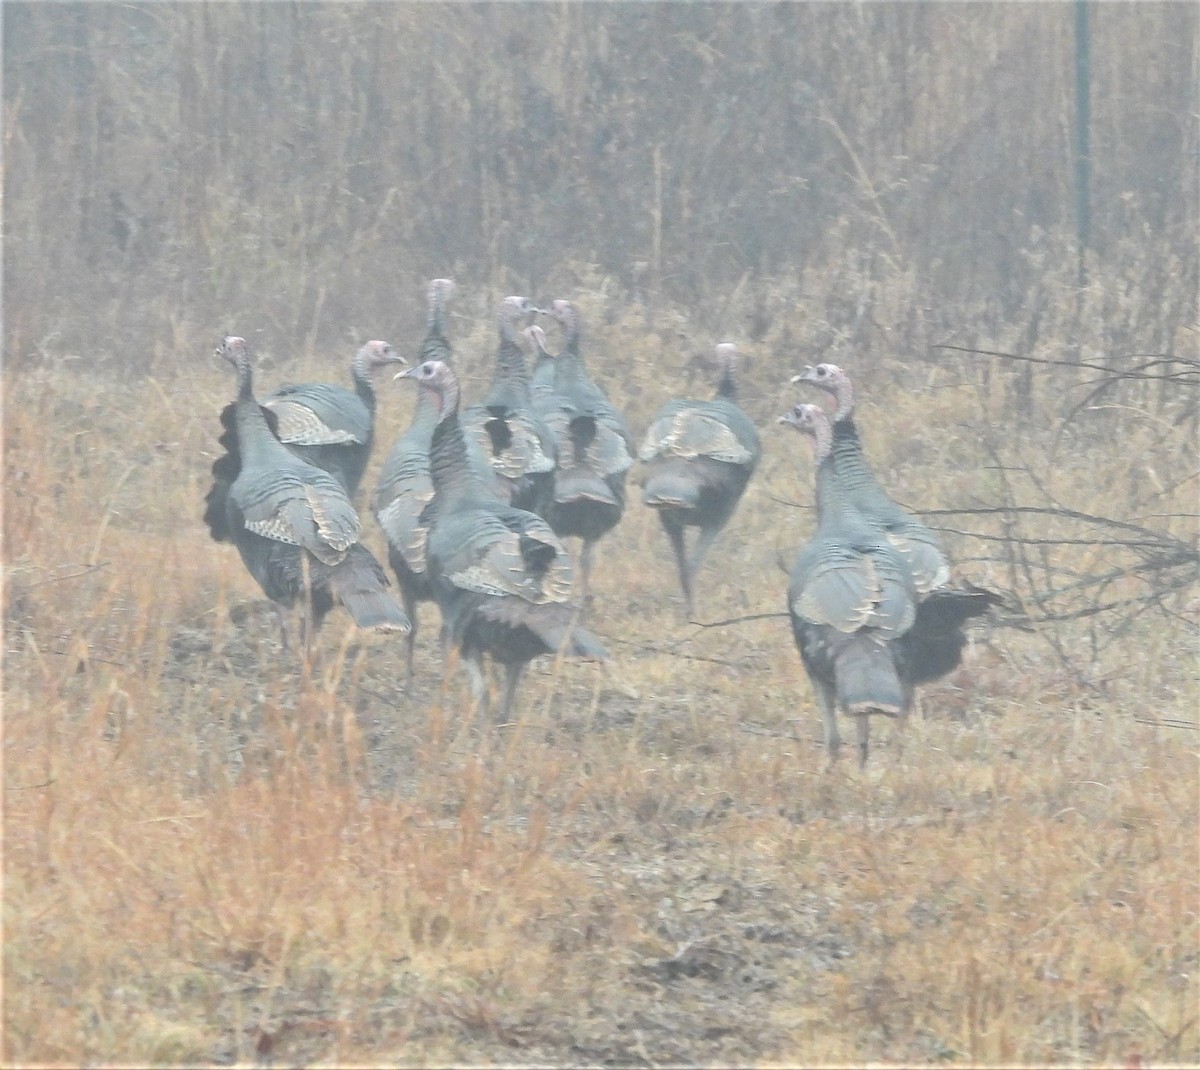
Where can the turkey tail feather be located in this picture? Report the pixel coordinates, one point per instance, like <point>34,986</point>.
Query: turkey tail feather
<point>583,644</point>
<point>671,488</point>
<point>582,484</point>
<point>934,645</point>
<point>867,681</point>
<point>360,584</point>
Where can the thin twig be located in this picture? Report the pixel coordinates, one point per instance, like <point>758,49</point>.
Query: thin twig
<point>736,620</point>
<point>69,576</point>
<point>1186,377</point>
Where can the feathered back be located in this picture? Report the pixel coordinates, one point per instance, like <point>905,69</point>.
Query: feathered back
<point>320,414</point>
<point>718,429</point>
<point>588,429</point>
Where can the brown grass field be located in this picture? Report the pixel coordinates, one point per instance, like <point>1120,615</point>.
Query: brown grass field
<point>215,858</point>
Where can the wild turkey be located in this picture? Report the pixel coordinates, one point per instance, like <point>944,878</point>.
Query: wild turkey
<point>405,486</point>
<point>699,456</point>
<point>330,426</point>
<point>934,645</point>
<point>916,542</point>
<point>294,526</point>
<point>595,449</point>
<point>504,428</point>
<point>501,576</point>
<point>843,577</point>
<point>851,599</point>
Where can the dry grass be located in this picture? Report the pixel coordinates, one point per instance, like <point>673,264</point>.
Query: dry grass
<point>212,859</point>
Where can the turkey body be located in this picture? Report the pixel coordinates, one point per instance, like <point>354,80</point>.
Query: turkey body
<point>699,457</point>
<point>868,629</point>
<point>221,519</point>
<point>851,600</point>
<point>500,574</point>
<point>934,645</point>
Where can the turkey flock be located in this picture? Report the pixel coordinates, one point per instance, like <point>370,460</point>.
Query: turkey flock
<point>476,500</point>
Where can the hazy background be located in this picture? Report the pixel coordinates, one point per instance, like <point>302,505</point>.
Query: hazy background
<point>300,169</point>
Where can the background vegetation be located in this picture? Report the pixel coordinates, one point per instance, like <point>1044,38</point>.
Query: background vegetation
<point>213,858</point>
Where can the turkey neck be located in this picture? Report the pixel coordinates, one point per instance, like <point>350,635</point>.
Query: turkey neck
<point>572,332</point>
<point>568,365</point>
<point>436,346</point>
<point>435,320</point>
<point>727,384</point>
<point>847,459</point>
<point>833,503</point>
<point>425,415</point>
<point>511,387</point>
<point>257,444</point>
<point>453,478</point>
<point>849,463</point>
<point>544,363</point>
<point>360,370</point>
<point>436,297</point>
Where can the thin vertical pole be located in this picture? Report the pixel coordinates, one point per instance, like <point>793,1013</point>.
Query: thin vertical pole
<point>656,229</point>
<point>1083,118</point>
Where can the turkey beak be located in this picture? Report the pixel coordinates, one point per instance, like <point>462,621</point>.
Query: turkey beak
<point>406,374</point>
<point>392,357</point>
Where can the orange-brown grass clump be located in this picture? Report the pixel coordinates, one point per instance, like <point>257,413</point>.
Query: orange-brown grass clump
<point>213,857</point>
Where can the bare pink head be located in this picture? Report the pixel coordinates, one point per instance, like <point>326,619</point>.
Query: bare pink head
<point>835,382</point>
<point>374,355</point>
<point>438,379</point>
<point>811,420</point>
